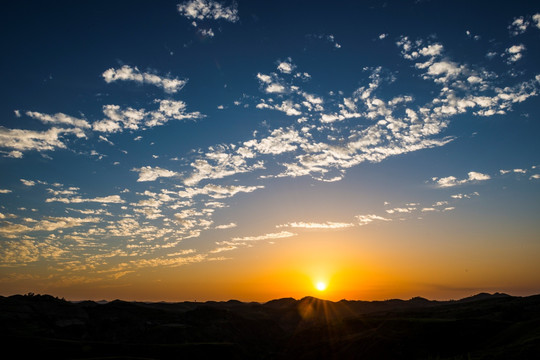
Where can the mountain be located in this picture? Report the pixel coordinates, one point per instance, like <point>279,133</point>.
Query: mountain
<point>483,326</point>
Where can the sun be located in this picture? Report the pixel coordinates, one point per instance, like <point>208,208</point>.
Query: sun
<point>320,286</point>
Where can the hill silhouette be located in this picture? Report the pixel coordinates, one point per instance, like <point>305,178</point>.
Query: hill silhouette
<point>483,326</point>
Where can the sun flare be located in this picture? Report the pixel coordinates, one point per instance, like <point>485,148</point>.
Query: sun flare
<point>320,286</point>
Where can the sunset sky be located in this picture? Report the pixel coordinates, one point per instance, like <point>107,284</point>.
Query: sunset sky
<point>251,150</point>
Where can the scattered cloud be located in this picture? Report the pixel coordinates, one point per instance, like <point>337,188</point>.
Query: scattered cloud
<point>226,226</point>
<point>367,219</point>
<point>28,182</point>
<point>464,196</point>
<point>518,26</point>
<point>515,52</point>
<point>5,191</point>
<point>27,140</point>
<point>59,119</point>
<point>111,199</point>
<point>271,236</point>
<point>217,191</point>
<point>536,20</point>
<point>206,32</point>
<point>314,225</point>
<point>148,173</point>
<point>208,10</point>
<point>128,73</point>
<point>286,67</point>
<point>118,119</point>
<point>451,181</point>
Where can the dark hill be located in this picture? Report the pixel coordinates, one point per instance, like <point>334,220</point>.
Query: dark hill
<point>484,326</point>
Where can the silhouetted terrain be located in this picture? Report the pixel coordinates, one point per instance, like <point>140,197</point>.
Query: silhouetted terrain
<point>483,326</point>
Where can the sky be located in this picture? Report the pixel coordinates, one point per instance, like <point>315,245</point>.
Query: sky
<point>216,150</point>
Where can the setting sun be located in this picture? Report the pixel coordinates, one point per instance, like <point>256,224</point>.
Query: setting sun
<point>320,286</point>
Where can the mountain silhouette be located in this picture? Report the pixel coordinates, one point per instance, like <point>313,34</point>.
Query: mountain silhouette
<point>483,326</point>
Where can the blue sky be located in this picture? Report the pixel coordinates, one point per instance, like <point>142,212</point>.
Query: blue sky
<point>140,139</point>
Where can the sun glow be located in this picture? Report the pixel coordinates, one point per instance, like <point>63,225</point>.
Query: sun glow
<point>320,286</point>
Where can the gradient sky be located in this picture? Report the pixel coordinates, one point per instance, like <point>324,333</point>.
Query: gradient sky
<point>216,150</point>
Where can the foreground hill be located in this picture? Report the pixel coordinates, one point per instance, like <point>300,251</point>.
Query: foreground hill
<point>483,326</point>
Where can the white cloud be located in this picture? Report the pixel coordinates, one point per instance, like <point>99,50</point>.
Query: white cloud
<point>28,182</point>
<point>103,138</point>
<point>128,73</point>
<point>464,196</point>
<point>226,226</point>
<point>366,219</point>
<point>148,173</point>
<point>286,67</point>
<point>535,176</point>
<point>279,141</point>
<point>518,26</point>
<point>280,235</point>
<point>206,32</point>
<point>59,119</point>
<point>208,10</point>
<point>50,224</point>
<point>536,19</point>
<point>217,191</point>
<point>515,52</point>
<point>5,191</point>
<point>314,225</point>
<point>275,88</point>
<point>26,140</point>
<point>111,199</point>
<point>451,181</point>
<point>401,210</point>
<point>431,50</point>
<point>118,119</point>
<point>382,36</point>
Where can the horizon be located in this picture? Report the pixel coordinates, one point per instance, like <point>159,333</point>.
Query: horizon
<point>214,150</point>
<point>277,299</point>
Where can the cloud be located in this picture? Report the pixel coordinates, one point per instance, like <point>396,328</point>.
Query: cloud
<point>271,83</point>
<point>59,119</point>
<point>534,176</point>
<point>286,67</point>
<point>464,196</point>
<point>366,219</point>
<point>401,210</point>
<point>148,173</point>
<point>27,140</point>
<point>111,199</point>
<point>5,191</point>
<point>206,32</point>
<point>280,235</point>
<point>515,52</point>
<point>117,119</point>
<point>208,10</point>
<point>518,26</point>
<point>313,225</point>
<point>128,73</point>
<point>28,182</point>
<point>452,181</point>
<point>226,226</point>
<point>329,38</point>
<point>103,138</point>
<point>217,191</point>
<point>49,224</point>
<point>536,20</point>
<point>219,162</point>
